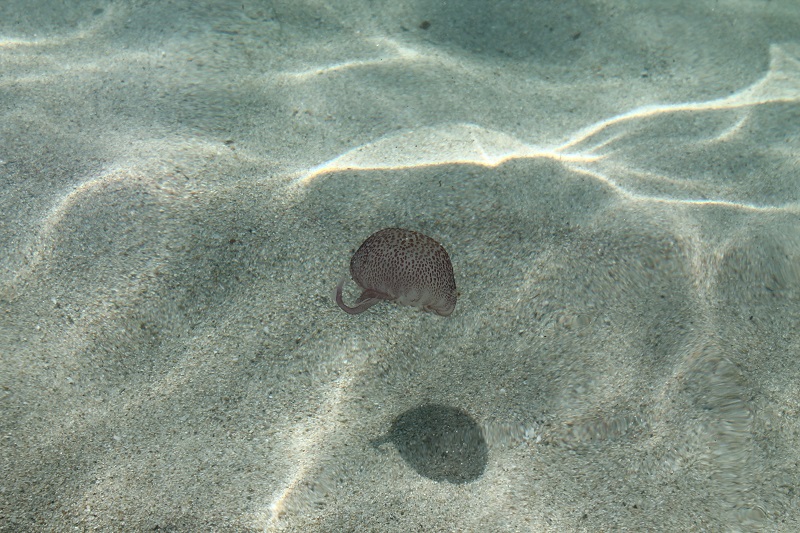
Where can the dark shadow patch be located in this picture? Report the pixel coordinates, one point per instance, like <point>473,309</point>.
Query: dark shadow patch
<point>441,443</point>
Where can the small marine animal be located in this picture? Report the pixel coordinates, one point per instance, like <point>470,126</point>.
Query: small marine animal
<point>403,266</point>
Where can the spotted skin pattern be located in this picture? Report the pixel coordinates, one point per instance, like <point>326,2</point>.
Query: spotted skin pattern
<point>403,266</point>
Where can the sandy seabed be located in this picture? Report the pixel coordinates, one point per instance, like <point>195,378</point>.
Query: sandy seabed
<point>182,185</point>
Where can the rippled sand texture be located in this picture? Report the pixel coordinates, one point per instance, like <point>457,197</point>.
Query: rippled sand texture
<point>183,184</point>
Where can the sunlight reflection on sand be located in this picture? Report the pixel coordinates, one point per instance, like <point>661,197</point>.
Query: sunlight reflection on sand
<point>590,151</point>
